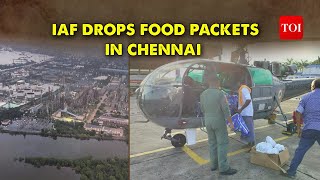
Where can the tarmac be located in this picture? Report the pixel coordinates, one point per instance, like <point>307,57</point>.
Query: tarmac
<point>153,158</point>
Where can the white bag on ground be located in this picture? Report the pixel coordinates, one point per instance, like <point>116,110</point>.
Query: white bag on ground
<point>263,147</point>
<point>271,141</point>
<point>273,151</point>
<point>279,147</point>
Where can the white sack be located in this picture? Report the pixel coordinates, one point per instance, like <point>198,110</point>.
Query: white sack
<point>279,147</point>
<point>271,141</point>
<point>263,147</point>
<point>273,151</point>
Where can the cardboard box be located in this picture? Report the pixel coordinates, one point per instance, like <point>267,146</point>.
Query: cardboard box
<point>265,160</point>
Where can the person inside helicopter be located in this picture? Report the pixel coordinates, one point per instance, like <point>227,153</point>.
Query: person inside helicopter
<point>191,97</point>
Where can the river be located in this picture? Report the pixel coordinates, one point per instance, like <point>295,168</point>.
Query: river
<point>37,146</point>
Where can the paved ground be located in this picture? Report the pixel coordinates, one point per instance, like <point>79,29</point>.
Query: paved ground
<point>152,158</point>
<point>94,112</point>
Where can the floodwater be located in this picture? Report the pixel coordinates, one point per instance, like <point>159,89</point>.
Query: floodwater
<point>8,56</point>
<point>36,146</point>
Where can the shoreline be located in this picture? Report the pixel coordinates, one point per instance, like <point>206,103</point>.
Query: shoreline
<point>86,167</point>
<point>99,138</point>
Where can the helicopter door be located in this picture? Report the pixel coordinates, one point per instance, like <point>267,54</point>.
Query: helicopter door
<point>262,92</point>
<point>262,101</point>
<point>193,86</point>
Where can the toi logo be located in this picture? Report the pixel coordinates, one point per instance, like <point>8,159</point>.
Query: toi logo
<point>291,27</point>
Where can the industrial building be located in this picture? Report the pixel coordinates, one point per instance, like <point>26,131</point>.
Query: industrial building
<point>108,120</point>
<point>21,93</point>
<point>105,130</point>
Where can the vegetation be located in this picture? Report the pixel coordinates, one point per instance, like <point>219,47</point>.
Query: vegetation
<point>76,130</point>
<point>102,106</point>
<point>71,129</point>
<point>88,167</point>
<point>98,113</point>
<point>302,63</point>
<point>10,113</point>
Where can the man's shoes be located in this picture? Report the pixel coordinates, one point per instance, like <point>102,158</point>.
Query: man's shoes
<point>229,172</point>
<point>213,169</point>
<point>251,144</point>
<point>287,175</point>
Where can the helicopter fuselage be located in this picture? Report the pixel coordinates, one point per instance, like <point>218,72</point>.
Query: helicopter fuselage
<point>165,99</point>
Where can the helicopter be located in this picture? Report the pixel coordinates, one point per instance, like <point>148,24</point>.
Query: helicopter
<point>169,96</point>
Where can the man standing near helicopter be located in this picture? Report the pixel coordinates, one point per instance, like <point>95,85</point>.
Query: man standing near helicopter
<point>245,109</point>
<point>216,110</point>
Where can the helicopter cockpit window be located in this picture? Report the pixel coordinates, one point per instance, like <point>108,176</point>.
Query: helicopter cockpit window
<point>196,75</point>
<point>161,92</point>
<point>171,75</point>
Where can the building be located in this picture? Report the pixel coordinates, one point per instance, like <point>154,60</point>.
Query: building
<point>105,130</point>
<point>310,72</point>
<point>108,120</point>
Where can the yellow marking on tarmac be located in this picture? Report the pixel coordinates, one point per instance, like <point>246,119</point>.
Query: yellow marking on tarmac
<point>238,151</point>
<point>198,159</point>
<point>151,152</point>
<point>201,161</point>
<point>202,140</point>
<point>246,149</point>
<point>282,138</point>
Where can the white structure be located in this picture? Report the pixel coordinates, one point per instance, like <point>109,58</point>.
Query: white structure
<point>30,96</point>
<point>37,93</point>
<point>28,90</point>
<point>20,94</point>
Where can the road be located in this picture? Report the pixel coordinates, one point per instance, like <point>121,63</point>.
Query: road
<point>93,113</point>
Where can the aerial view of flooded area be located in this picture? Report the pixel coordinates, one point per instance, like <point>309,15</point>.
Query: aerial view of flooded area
<point>63,113</point>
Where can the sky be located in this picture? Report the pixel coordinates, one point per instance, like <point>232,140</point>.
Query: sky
<point>278,51</point>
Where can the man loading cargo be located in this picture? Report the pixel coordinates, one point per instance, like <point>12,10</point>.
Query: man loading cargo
<point>309,108</point>
<point>246,110</point>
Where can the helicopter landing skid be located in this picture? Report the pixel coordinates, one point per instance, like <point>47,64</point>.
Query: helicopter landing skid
<point>178,140</point>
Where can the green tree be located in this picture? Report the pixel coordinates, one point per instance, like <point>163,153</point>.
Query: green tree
<point>112,178</point>
<point>84,177</point>
<point>100,176</point>
<point>289,61</point>
<point>304,63</point>
<point>299,65</point>
<point>100,167</point>
<point>316,61</point>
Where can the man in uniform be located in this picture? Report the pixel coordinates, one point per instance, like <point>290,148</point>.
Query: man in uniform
<point>215,108</point>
